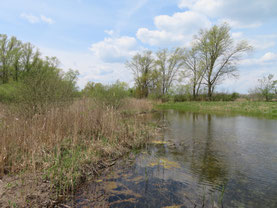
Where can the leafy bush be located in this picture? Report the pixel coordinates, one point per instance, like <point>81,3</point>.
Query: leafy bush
<point>265,90</point>
<point>225,97</point>
<point>109,95</point>
<point>182,98</point>
<point>8,92</point>
<point>46,86</point>
<point>42,87</point>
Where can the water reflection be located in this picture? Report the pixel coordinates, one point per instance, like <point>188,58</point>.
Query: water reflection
<point>199,159</point>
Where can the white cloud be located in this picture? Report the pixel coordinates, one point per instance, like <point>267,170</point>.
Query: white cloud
<point>246,13</point>
<point>115,49</point>
<point>110,32</point>
<point>181,22</point>
<point>36,19</point>
<point>161,38</point>
<point>267,59</point>
<point>30,18</point>
<point>248,79</point>
<point>250,71</point>
<point>91,68</point>
<point>239,24</point>
<point>236,35</point>
<point>46,19</point>
<point>173,30</point>
<point>261,44</point>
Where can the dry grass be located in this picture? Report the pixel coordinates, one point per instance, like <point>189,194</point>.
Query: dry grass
<point>62,141</point>
<point>135,105</point>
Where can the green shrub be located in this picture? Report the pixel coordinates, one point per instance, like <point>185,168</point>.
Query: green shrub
<point>225,97</point>
<point>9,92</point>
<point>182,98</point>
<point>109,95</point>
<point>46,86</point>
<point>42,87</point>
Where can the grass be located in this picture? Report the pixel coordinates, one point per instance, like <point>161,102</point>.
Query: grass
<point>250,108</point>
<point>65,145</point>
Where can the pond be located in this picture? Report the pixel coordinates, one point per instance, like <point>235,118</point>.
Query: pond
<point>198,160</point>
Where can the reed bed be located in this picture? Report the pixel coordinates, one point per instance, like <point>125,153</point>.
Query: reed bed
<point>63,141</point>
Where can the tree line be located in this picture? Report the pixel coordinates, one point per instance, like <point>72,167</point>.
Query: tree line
<point>212,58</point>
<point>31,80</point>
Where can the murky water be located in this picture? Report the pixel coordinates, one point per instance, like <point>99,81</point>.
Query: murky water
<point>199,160</point>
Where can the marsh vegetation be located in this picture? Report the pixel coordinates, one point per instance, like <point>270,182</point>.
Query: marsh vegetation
<point>54,137</point>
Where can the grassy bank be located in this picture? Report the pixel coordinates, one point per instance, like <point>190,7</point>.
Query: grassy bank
<point>54,152</point>
<point>266,109</point>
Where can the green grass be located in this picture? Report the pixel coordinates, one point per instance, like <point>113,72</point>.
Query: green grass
<point>249,108</point>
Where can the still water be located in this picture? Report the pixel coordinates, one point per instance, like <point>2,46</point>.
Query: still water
<point>198,160</point>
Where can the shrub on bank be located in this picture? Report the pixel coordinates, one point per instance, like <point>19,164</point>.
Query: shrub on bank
<point>39,90</point>
<point>108,95</point>
<point>225,97</point>
<point>203,97</point>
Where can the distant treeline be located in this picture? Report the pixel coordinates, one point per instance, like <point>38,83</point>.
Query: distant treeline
<point>212,58</point>
<point>193,73</point>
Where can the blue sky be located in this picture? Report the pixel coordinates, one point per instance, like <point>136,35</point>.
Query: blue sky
<point>97,37</point>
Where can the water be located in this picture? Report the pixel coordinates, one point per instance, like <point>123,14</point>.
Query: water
<point>199,160</point>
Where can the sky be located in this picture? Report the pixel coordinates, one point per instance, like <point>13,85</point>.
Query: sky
<point>98,37</point>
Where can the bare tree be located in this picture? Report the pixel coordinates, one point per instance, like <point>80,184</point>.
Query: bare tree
<point>220,54</point>
<point>168,65</point>
<point>142,66</point>
<point>195,67</point>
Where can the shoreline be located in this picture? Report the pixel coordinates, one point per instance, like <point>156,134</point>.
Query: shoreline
<point>246,108</point>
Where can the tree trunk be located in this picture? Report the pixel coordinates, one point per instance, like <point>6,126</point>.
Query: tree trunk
<point>194,92</point>
<point>210,91</point>
<point>5,76</point>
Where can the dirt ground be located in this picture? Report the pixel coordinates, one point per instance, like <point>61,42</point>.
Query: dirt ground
<point>31,190</point>
<point>25,191</point>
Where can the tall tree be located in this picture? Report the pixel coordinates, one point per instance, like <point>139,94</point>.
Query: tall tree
<point>30,56</point>
<point>193,64</point>
<point>8,50</point>
<point>142,66</point>
<point>168,65</point>
<point>220,54</point>
<point>17,62</point>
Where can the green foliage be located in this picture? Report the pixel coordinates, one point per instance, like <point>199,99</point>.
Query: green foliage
<point>203,97</point>
<point>142,66</point>
<point>63,171</point>
<point>220,55</point>
<point>182,93</point>
<point>182,97</point>
<point>30,82</point>
<point>266,89</point>
<point>168,65</point>
<point>44,86</point>
<point>9,92</point>
<point>109,95</point>
<point>225,97</point>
